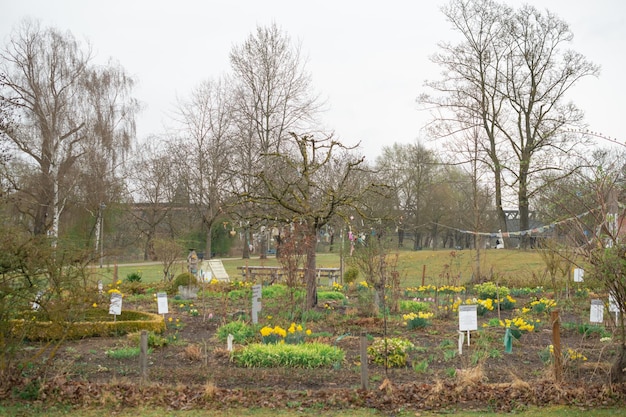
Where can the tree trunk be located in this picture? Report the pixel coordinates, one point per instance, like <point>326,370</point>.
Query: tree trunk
<point>310,276</point>
<point>245,254</point>
<point>523,207</point>
<point>618,373</point>
<point>207,246</point>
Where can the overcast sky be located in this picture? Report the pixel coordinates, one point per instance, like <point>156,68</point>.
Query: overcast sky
<point>368,59</point>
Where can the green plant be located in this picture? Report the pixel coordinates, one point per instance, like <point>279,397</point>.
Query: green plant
<point>306,355</point>
<point>134,277</point>
<point>330,295</point>
<point>449,354</point>
<point>241,331</point>
<point>589,330</point>
<point>417,321</point>
<point>451,372</point>
<point>124,352</point>
<point>421,366</point>
<point>392,352</point>
<point>28,392</point>
<point>154,340</point>
<point>410,306</point>
<point>185,279</point>
<point>491,290</point>
<point>351,275</point>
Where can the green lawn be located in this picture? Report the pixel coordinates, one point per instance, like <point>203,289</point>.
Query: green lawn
<point>439,267</point>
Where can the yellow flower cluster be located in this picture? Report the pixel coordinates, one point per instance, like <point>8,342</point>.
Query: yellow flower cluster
<point>337,287</point>
<point>488,303</point>
<point>511,299</point>
<point>519,323</point>
<point>277,330</point>
<point>451,289</point>
<point>421,315</point>
<point>364,284</point>
<point>424,288</point>
<point>547,303</point>
<point>115,290</point>
<point>574,355</point>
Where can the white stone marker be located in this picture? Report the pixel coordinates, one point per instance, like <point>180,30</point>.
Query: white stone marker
<point>257,291</point>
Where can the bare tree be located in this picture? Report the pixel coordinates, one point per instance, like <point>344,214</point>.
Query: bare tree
<point>152,185</point>
<point>510,75</point>
<point>204,151</point>
<point>409,170</point>
<point>66,109</point>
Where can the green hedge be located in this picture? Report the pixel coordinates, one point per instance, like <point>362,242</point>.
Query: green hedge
<point>127,322</point>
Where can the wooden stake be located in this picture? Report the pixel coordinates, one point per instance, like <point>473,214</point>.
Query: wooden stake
<point>556,344</point>
<point>143,356</point>
<point>364,369</point>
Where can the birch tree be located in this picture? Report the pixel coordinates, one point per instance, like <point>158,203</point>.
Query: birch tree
<point>65,108</point>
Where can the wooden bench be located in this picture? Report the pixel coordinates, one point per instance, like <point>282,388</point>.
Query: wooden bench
<point>272,274</point>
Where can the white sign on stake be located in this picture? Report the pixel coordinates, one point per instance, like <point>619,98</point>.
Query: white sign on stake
<point>115,307</point>
<point>229,342</point>
<point>468,320</point>
<point>100,287</point>
<point>162,303</point>
<point>257,291</point>
<point>579,273</point>
<point>596,314</point>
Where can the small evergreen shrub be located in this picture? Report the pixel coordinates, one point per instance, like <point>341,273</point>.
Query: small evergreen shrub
<point>185,279</point>
<point>351,275</point>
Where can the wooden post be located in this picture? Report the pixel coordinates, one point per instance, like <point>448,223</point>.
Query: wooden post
<point>143,356</point>
<point>364,369</point>
<point>423,274</point>
<point>556,344</point>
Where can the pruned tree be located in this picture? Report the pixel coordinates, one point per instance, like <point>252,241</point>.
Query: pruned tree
<point>509,75</point>
<point>65,109</point>
<point>311,182</point>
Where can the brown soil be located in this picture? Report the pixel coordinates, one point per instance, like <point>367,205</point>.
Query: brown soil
<point>482,376</point>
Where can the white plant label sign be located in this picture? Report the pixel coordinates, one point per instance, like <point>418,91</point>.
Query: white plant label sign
<point>596,314</point>
<point>162,303</point>
<point>579,273</point>
<point>468,318</point>
<point>115,307</point>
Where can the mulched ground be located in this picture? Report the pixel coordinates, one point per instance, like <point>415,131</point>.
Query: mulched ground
<point>197,373</point>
